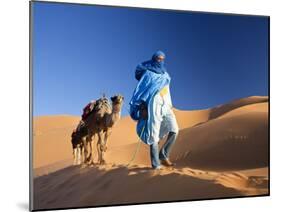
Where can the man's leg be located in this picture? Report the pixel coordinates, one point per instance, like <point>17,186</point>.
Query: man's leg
<point>166,148</point>
<point>154,155</point>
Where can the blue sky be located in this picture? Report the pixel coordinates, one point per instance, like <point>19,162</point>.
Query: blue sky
<point>80,52</point>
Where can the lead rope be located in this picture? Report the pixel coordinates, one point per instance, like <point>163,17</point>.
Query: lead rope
<point>139,140</point>
<point>138,146</point>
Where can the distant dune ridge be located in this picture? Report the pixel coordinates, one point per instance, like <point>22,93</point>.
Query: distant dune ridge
<point>220,152</point>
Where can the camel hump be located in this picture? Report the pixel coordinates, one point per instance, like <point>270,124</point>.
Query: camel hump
<point>99,107</point>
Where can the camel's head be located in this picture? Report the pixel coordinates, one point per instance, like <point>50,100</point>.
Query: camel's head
<point>117,99</point>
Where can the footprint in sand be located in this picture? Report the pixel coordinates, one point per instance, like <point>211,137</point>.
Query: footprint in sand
<point>249,185</point>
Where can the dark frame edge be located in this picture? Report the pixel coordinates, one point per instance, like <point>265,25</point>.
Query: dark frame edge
<point>153,203</point>
<point>268,61</point>
<point>31,193</point>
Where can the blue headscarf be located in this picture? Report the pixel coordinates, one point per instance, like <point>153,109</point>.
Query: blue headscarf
<point>151,65</point>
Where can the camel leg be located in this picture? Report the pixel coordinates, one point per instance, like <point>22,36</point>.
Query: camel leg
<point>85,149</point>
<point>82,153</point>
<point>99,148</point>
<point>93,146</point>
<point>75,156</point>
<point>102,150</point>
<point>99,152</point>
<point>102,146</point>
<point>78,155</point>
<point>92,149</point>
<point>89,141</point>
<point>89,152</point>
<point>106,136</point>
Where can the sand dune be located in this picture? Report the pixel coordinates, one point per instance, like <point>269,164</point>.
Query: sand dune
<point>257,107</point>
<point>229,143</point>
<point>52,133</point>
<point>52,139</point>
<point>115,184</point>
<point>220,152</point>
<point>222,109</point>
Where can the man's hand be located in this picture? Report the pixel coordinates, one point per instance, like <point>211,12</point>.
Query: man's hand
<point>143,111</point>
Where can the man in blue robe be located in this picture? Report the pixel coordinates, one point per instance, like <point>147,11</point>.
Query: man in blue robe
<point>151,106</point>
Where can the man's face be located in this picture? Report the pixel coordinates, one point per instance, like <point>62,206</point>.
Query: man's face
<point>160,58</point>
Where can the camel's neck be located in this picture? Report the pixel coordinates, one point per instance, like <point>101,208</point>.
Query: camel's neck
<point>115,114</point>
<point>116,108</point>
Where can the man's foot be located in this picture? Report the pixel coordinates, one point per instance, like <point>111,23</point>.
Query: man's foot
<point>167,162</point>
<point>158,168</point>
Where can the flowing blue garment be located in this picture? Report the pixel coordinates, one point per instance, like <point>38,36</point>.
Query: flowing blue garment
<point>148,86</point>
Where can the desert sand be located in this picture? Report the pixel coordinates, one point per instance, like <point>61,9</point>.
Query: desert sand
<point>220,152</point>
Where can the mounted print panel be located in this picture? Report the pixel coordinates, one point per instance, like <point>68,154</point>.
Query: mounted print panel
<point>136,105</point>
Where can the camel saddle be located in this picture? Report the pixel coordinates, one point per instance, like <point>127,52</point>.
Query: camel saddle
<point>93,106</point>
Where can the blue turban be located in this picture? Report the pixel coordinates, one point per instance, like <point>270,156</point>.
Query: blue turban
<point>151,65</point>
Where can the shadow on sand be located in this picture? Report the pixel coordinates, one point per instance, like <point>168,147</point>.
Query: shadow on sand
<point>117,184</point>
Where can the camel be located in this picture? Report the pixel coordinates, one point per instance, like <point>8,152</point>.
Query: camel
<point>77,147</point>
<point>99,122</point>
